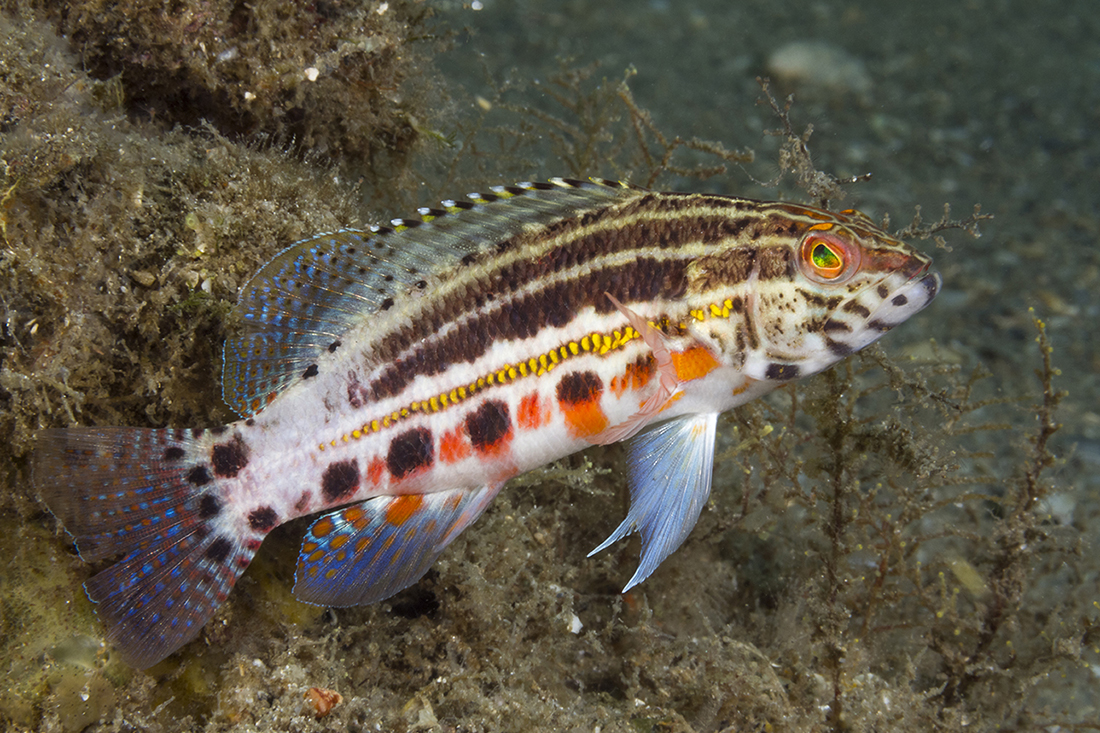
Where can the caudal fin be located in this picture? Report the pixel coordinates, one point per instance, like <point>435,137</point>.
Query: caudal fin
<point>150,498</point>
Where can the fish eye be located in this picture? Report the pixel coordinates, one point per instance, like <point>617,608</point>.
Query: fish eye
<point>827,258</point>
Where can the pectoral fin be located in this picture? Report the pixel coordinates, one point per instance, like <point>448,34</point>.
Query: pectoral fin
<point>670,472</point>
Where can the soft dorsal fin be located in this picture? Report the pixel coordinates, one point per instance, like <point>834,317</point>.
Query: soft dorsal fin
<point>301,302</point>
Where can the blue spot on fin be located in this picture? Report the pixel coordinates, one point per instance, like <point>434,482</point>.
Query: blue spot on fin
<point>670,472</point>
<point>315,291</point>
<point>125,492</point>
<point>368,551</point>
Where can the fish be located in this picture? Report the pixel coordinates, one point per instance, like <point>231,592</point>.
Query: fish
<point>392,380</point>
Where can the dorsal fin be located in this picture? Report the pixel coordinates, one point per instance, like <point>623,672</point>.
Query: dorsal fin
<point>299,304</point>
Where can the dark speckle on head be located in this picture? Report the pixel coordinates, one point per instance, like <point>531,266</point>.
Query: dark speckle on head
<point>781,372</point>
<point>899,300</point>
<point>311,371</point>
<point>488,425</point>
<point>263,519</point>
<point>334,346</point>
<point>199,476</point>
<point>230,457</point>
<point>838,348</point>
<point>409,452</point>
<point>340,480</point>
<point>856,308</point>
<point>209,506</point>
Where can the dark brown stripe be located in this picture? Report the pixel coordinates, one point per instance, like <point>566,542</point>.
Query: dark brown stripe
<point>503,279</point>
<point>775,263</point>
<point>556,305</point>
<point>730,267</point>
<point>416,350</point>
<point>651,204</point>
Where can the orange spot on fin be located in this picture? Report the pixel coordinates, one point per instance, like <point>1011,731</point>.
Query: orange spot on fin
<point>400,539</point>
<point>322,527</point>
<point>403,507</point>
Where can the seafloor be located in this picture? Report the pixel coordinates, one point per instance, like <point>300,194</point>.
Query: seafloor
<point>907,542</point>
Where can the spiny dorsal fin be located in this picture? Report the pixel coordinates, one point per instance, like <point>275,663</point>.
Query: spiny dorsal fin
<point>301,302</point>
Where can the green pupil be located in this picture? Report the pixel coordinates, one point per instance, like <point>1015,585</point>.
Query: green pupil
<point>825,258</point>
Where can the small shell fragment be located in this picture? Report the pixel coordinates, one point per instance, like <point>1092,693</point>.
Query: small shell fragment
<point>323,701</point>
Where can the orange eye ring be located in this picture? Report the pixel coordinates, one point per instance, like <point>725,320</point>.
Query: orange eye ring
<point>827,258</point>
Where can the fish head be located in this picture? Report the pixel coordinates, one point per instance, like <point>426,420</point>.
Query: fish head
<point>844,282</point>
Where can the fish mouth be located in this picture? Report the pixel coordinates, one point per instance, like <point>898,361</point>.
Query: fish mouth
<point>906,301</point>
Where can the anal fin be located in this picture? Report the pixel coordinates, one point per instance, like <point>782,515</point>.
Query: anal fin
<point>368,551</point>
<point>670,473</point>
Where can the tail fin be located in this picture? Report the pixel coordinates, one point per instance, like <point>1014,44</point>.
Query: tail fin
<point>150,497</point>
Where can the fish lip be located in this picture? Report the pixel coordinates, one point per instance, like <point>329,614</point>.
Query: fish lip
<point>931,279</point>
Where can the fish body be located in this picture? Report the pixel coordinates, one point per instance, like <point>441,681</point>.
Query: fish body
<point>394,379</point>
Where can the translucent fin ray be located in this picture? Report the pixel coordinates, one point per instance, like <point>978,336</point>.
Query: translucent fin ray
<point>670,473</point>
<point>368,551</point>
<point>125,492</point>
<point>302,301</point>
<point>667,383</point>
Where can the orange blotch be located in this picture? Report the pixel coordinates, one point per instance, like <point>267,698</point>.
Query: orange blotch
<point>693,363</point>
<point>584,419</point>
<point>353,514</point>
<point>375,470</point>
<point>636,376</point>
<point>403,507</point>
<point>454,446</point>
<point>532,412</point>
